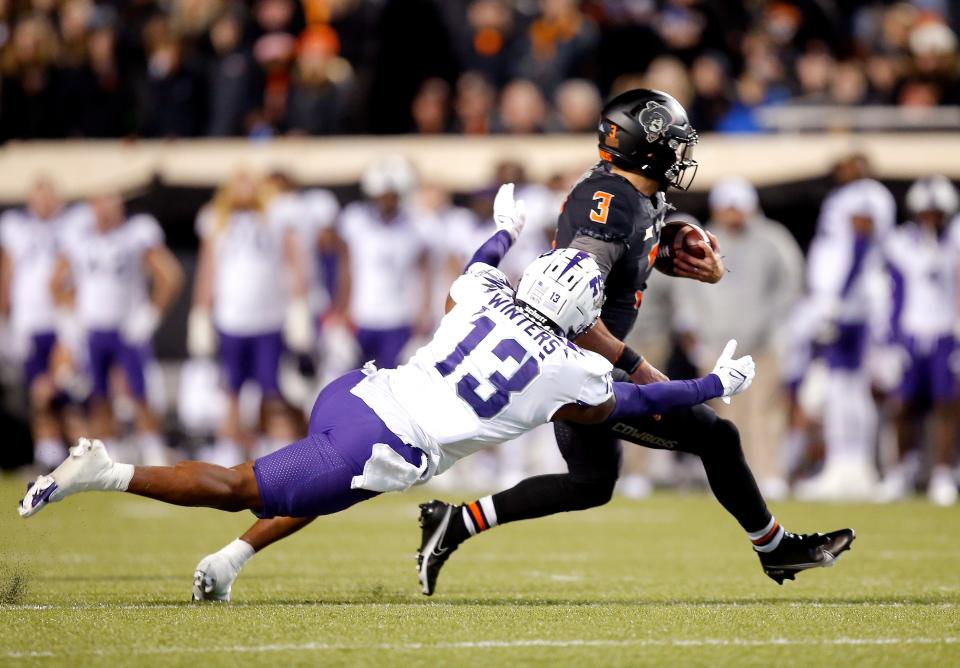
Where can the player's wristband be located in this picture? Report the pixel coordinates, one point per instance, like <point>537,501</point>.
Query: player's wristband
<point>629,360</point>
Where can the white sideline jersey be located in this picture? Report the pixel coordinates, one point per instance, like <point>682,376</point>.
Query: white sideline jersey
<point>924,267</point>
<point>488,375</point>
<point>32,246</point>
<point>107,268</point>
<point>249,272</point>
<point>308,214</point>
<point>384,275</point>
<point>831,258</point>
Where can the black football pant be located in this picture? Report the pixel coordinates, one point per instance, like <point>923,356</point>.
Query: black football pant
<point>593,455</point>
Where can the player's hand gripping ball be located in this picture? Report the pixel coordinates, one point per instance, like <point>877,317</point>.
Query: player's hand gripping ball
<point>679,236</point>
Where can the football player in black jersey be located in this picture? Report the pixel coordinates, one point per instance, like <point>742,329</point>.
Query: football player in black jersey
<point>615,213</point>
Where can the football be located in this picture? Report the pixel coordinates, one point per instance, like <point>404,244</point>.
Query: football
<point>675,236</point>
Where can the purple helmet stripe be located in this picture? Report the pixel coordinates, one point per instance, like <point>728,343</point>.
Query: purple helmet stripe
<point>574,261</point>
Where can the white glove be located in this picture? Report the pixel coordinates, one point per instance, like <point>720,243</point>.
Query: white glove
<point>215,574</point>
<point>140,325</point>
<point>735,374</point>
<point>201,337</point>
<point>508,214</point>
<point>298,327</point>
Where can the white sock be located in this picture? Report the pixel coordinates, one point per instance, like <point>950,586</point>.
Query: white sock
<point>238,552</point>
<point>849,417</point>
<point>768,538</point>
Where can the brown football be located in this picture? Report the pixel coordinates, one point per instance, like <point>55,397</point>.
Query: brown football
<point>675,236</point>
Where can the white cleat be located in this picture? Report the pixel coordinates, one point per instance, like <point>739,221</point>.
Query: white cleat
<point>87,467</point>
<point>213,578</point>
<point>942,489</point>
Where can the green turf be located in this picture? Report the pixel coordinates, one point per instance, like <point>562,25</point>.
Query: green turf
<point>105,579</point>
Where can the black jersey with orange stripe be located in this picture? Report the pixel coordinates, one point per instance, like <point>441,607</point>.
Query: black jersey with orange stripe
<point>605,206</point>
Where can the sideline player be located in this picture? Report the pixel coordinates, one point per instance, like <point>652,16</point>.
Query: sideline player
<point>921,256</point>
<point>615,213</point>
<point>119,278</point>
<point>29,243</point>
<point>499,364</point>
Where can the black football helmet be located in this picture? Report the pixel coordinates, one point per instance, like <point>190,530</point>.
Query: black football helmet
<point>647,131</point>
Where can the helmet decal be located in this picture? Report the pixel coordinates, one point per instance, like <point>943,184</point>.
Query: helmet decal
<point>612,140</point>
<point>655,119</point>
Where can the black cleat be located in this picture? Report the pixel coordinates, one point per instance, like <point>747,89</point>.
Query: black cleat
<point>797,553</point>
<point>434,520</point>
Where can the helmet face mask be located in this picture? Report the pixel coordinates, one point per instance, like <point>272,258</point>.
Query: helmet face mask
<point>647,132</point>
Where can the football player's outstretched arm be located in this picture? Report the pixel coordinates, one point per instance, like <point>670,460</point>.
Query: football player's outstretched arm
<point>730,376</point>
<point>510,217</point>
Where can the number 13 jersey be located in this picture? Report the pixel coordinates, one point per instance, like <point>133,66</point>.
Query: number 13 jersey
<point>489,374</point>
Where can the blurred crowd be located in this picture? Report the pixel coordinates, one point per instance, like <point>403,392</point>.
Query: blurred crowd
<point>855,397</point>
<point>263,68</point>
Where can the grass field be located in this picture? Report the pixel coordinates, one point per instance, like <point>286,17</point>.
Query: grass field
<point>105,580</point>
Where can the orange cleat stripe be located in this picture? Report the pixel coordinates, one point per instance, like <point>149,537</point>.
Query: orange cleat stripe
<point>477,516</point>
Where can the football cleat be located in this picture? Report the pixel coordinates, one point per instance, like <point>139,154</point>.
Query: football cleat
<point>434,520</point>
<point>798,552</point>
<point>88,467</point>
<point>213,578</point>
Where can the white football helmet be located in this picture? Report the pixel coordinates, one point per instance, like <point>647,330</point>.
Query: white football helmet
<point>565,287</point>
<point>934,193</point>
<point>389,173</point>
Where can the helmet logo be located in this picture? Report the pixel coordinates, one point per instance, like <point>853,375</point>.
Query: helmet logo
<point>655,119</point>
<point>611,138</point>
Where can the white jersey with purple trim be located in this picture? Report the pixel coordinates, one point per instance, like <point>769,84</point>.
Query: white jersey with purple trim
<point>924,268</point>
<point>308,214</point>
<point>830,262</point>
<point>32,246</point>
<point>489,374</point>
<point>107,268</point>
<point>249,274</point>
<point>385,281</point>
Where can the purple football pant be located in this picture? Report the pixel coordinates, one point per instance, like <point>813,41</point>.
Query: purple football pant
<point>106,349</point>
<point>38,360</point>
<point>312,476</point>
<point>928,378</point>
<point>847,351</point>
<point>255,357</point>
<point>383,346</point>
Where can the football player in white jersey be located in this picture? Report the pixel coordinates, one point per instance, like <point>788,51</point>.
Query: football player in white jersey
<point>118,278</point>
<point>500,363</point>
<point>387,296</point>
<point>921,256</point>
<point>29,243</point>
<point>250,269</point>
<point>846,276</point>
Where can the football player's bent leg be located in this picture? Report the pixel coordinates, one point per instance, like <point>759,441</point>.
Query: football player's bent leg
<point>593,463</point>
<point>716,441</point>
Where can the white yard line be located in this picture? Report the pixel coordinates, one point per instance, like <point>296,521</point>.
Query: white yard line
<point>487,644</point>
<point>241,605</point>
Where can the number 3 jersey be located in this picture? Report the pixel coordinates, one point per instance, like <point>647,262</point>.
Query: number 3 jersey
<point>489,374</point>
